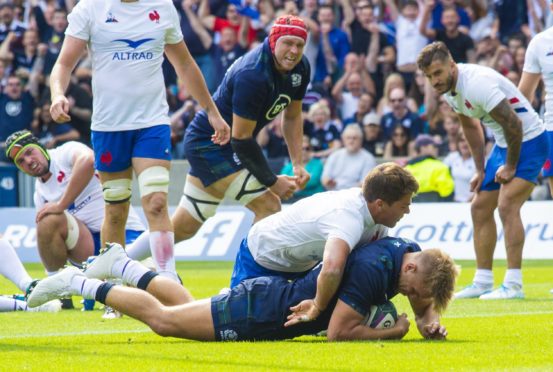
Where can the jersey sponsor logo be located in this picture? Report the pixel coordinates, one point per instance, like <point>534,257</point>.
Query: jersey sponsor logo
<point>280,104</point>
<point>106,158</point>
<point>154,16</point>
<point>132,56</point>
<point>61,176</point>
<point>133,44</point>
<point>111,19</point>
<point>296,80</point>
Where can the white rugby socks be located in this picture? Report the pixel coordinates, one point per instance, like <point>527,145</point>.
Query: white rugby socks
<point>11,266</point>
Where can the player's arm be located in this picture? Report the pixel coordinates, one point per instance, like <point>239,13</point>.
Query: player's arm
<point>505,116</point>
<point>475,138</point>
<point>190,74</point>
<point>292,130</point>
<point>428,321</point>
<point>528,84</point>
<point>70,53</point>
<point>345,325</point>
<point>248,151</point>
<point>83,171</point>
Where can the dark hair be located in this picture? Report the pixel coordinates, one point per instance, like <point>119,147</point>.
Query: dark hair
<point>437,51</point>
<point>389,182</point>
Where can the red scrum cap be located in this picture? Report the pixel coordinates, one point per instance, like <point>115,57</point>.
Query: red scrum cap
<point>289,26</point>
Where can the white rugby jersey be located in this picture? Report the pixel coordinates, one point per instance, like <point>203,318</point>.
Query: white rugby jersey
<point>293,240</point>
<point>539,60</point>
<point>126,42</point>
<point>479,90</point>
<point>88,206</point>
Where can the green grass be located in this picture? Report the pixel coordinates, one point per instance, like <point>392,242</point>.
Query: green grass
<point>483,335</point>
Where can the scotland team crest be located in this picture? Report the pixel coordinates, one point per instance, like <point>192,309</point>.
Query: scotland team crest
<point>296,80</point>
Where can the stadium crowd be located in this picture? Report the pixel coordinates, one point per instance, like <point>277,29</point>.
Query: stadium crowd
<point>363,73</point>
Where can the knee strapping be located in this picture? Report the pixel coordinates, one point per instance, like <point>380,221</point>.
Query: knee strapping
<point>245,188</point>
<point>72,231</point>
<point>117,191</point>
<point>198,203</point>
<point>153,179</point>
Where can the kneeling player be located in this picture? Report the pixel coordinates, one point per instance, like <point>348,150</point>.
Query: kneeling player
<point>257,308</point>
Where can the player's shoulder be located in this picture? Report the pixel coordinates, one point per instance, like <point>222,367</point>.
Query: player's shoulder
<point>477,79</point>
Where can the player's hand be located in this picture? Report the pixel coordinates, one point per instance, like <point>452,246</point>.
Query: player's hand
<point>48,208</point>
<point>302,176</point>
<point>59,109</point>
<point>222,130</point>
<point>285,186</point>
<point>305,311</point>
<point>402,324</point>
<point>504,174</point>
<point>476,181</point>
<point>434,331</point>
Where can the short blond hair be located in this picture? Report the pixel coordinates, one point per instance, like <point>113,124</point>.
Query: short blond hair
<point>440,276</point>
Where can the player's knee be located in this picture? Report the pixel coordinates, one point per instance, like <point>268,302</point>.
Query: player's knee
<point>161,325</point>
<point>49,225</point>
<point>507,210</point>
<point>155,204</point>
<point>267,205</point>
<point>153,180</point>
<point>116,214</point>
<point>117,191</point>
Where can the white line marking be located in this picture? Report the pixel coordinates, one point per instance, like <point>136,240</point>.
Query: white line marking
<point>497,315</point>
<point>81,333</point>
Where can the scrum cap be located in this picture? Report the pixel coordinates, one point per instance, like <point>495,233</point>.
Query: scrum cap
<point>20,140</point>
<point>287,26</point>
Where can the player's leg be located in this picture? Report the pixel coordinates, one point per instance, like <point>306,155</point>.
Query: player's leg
<point>13,303</point>
<point>62,237</point>
<point>112,159</point>
<point>11,266</point>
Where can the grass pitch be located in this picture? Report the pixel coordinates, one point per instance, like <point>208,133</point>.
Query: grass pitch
<point>483,335</point>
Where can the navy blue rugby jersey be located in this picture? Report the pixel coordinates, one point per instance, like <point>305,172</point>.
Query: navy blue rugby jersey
<point>253,89</point>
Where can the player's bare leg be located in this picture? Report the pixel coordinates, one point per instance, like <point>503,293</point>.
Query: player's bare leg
<point>52,237</point>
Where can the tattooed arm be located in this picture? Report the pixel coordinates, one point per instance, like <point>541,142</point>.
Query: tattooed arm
<point>505,116</point>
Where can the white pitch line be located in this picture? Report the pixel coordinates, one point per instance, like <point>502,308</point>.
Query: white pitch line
<point>497,315</point>
<point>81,333</point>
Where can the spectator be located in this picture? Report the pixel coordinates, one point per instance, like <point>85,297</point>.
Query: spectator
<point>333,47</point>
<point>3,74</point>
<point>16,110</point>
<point>348,166</point>
<point>271,140</point>
<point>394,80</point>
<point>462,167</point>
<point>313,166</point>
<point>232,19</point>
<point>433,176</point>
<point>355,80</point>
<point>365,104</point>
<point>229,49</point>
<point>400,115</point>
<point>437,12</point>
<point>49,133</point>
<point>460,45</point>
<point>323,132</point>
<point>409,40</point>
<point>437,116</point>
<point>364,33</point>
<point>51,33</point>
<point>400,144</point>
<point>481,19</point>
<point>373,138</point>
<point>452,127</point>
<point>511,18</point>
<point>21,59</point>
<point>417,94</point>
<point>8,23</point>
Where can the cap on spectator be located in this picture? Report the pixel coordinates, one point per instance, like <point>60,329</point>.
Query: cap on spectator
<point>8,3</point>
<point>371,118</point>
<point>423,140</point>
<point>287,26</point>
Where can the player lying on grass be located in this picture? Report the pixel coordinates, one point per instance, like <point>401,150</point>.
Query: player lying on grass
<point>12,268</point>
<point>257,308</point>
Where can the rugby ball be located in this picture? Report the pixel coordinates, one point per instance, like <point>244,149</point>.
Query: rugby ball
<point>381,316</point>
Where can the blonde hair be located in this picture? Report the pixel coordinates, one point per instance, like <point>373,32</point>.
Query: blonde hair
<point>320,105</point>
<point>392,78</point>
<point>440,275</point>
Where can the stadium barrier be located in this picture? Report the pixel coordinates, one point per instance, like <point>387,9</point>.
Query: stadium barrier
<point>442,225</point>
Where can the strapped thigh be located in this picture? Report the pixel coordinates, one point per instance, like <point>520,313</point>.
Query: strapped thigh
<point>245,188</point>
<point>200,204</point>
